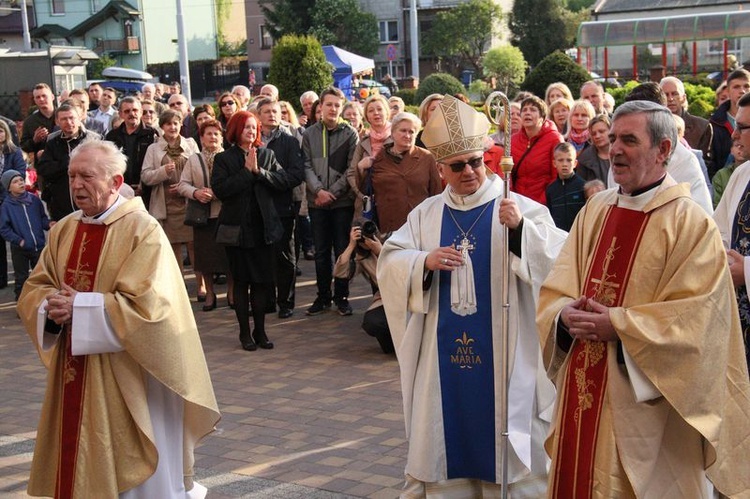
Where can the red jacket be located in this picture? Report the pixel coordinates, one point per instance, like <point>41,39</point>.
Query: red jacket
<point>533,170</point>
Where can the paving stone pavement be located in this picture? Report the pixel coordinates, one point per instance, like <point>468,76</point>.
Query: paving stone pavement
<point>319,416</point>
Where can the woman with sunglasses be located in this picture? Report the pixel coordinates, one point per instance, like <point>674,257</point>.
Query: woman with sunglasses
<point>403,175</point>
<point>228,105</point>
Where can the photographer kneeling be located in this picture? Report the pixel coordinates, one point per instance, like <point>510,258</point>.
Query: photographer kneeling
<point>361,255</point>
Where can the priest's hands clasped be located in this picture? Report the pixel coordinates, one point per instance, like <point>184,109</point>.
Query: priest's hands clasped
<point>60,305</point>
<point>588,320</point>
<point>510,214</point>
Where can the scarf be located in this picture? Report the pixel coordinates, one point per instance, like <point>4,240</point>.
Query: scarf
<point>209,156</point>
<point>378,138</point>
<point>578,139</point>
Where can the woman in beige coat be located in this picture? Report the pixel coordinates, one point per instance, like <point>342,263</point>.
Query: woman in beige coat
<point>195,183</point>
<point>162,168</point>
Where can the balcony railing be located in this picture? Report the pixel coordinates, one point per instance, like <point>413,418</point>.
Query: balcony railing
<point>128,45</point>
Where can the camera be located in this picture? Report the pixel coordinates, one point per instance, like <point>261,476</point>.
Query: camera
<point>368,229</point>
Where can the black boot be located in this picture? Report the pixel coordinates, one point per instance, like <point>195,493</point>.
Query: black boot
<point>246,341</point>
<point>261,339</point>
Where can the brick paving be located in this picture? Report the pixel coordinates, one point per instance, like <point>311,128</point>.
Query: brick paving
<point>319,416</point>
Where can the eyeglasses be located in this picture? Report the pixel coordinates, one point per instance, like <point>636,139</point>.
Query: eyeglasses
<point>149,111</point>
<point>739,127</point>
<point>228,103</point>
<point>177,104</point>
<point>459,166</point>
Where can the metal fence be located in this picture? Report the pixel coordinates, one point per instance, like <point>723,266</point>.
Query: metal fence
<point>10,107</point>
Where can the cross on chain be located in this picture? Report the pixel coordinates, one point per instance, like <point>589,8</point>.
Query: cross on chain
<point>464,248</point>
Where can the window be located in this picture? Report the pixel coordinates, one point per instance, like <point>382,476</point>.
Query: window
<point>266,40</point>
<point>717,46</point>
<point>58,7</point>
<point>388,31</point>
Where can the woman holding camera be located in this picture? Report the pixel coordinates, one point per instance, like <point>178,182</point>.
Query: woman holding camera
<point>361,256</point>
<point>243,178</point>
<point>403,175</point>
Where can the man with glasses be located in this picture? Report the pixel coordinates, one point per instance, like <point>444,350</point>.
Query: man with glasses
<point>178,102</point>
<point>133,138</point>
<point>732,215</point>
<point>149,93</point>
<point>723,119</point>
<point>439,278</point>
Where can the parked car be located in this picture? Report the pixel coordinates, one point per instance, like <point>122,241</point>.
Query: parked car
<point>375,86</point>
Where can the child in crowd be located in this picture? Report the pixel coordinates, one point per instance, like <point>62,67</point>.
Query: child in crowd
<point>592,187</point>
<point>22,223</point>
<point>565,195</point>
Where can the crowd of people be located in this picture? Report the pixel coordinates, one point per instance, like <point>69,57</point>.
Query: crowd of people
<point>630,292</point>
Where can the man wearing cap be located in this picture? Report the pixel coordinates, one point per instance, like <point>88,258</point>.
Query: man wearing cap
<point>640,330</point>
<point>439,276</point>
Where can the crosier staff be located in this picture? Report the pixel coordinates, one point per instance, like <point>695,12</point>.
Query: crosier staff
<point>498,103</point>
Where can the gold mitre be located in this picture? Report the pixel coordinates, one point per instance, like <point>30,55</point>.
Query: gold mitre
<point>455,128</point>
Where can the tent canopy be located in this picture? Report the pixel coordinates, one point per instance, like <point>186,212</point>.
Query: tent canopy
<point>345,65</point>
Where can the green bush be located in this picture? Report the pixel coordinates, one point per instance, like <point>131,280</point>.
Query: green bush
<point>439,83</point>
<point>409,95</point>
<point>701,99</point>
<point>479,90</point>
<point>298,64</point>
<point>555,67</point>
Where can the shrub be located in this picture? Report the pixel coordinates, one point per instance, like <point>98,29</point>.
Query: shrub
<point>439,83</point>
<point>555,67</point>
<point>701,99</point>
<point>479,90</point>
<point>409,95</point>
<point>298,64</point>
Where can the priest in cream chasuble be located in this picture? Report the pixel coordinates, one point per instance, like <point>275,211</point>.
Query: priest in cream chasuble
<point>440,277</point>
<point>640,332</point>
<point>128,390</point>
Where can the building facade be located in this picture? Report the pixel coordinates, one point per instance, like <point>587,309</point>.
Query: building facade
<point>135,33</point>
<point>394,54</point>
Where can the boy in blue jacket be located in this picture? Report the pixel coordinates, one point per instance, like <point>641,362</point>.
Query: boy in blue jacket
<point>22,223</point>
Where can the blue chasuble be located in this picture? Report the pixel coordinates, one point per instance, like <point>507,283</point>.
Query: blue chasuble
<point>465,355</point>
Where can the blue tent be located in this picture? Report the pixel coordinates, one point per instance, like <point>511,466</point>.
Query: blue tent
<point>345,65</point>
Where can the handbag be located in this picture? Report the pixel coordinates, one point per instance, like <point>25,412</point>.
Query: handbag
<point>369,209</point>
<point>197,213</point>
<point>228,235</point>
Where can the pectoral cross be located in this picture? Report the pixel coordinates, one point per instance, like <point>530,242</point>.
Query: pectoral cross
<point>464,248</point>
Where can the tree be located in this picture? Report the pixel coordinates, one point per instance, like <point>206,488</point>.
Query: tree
<point>298,64</point>
<point>339,22</point>
<point>538,28</point>
<point>506,64</point>
<point>94,68</point>
<point>439,83</point>
<point>461,34</point>
<point>287,17</point>
<point>555,67</point>
<point>343,23</point>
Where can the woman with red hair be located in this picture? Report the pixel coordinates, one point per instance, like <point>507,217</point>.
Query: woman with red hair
<point>244,178</point>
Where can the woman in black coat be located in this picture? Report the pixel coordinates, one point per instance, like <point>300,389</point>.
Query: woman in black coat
<point>244,178</point>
